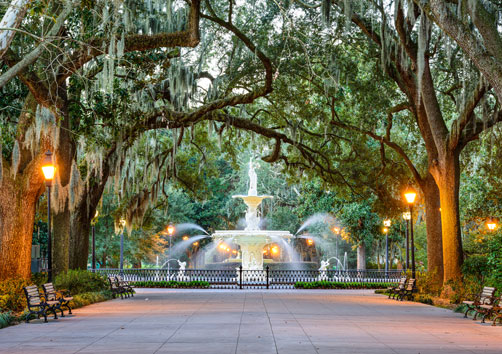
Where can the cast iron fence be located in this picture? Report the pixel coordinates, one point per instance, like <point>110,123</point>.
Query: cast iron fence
<point>270,279</point>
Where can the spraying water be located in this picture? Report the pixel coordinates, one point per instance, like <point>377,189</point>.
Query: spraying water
<point>189,226</point>
<point>319,218</point>
<point>180,247</point>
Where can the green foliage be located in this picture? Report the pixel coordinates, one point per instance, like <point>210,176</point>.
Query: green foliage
<point>198,284</point>
<point>38,278</point>
<point>6,319</point>
<point>324,284</point>
<point>463,289</point>
<point>424,299</point>
<point>12,296</point>
<point>91,297</point>
<point>80,281</point>
<point>494,261</point>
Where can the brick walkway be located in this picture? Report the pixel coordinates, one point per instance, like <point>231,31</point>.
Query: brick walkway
<point>240,321</point>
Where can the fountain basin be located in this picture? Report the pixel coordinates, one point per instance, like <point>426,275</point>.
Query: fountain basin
<point>251,243</point>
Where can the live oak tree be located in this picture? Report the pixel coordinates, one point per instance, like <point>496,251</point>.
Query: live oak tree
<point>410,45</point>
<point>46,120</point>
<point>69,93</point>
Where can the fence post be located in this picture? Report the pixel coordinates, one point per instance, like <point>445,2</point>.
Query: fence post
<point>240,276</point>
<point>267,276</point>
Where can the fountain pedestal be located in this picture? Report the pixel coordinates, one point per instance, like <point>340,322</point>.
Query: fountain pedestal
<point>251,240</point>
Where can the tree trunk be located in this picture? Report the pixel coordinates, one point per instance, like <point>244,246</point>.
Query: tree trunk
<point>60,241</point>
<point>361,256</point>
<point>448,180</point>
<point>433,222</point>
<point>79,237</point>
<point>17,213</point>
<point>64,157</point>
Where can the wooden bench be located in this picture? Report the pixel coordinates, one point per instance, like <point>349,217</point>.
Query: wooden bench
<point>38,305</point>
<point>115,288</point>
<point>485,297</point>
<point>393,291</point>
<point>125,284</point>
<point>63,296</point>
<point>407,292</point>
<point>488,310</point>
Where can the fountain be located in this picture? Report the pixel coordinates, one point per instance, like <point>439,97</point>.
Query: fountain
<point>252,239</point>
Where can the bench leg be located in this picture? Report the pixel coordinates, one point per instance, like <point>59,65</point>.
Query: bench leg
<point>467,311</point>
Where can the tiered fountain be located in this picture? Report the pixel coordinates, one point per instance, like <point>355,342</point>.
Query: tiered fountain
<point>252,240</point>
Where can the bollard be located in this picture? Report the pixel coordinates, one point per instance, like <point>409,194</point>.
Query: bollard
<point>267,277</point>
<point>240,276</point>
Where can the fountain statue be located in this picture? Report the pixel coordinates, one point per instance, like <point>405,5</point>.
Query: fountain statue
<point>252,240</point>
<point>181,272</point>
<point>323,270</point>
<point>253,179</point>
<point>324,266</point>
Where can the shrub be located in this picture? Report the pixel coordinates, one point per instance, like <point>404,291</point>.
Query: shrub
<point>11,294</point>
<point>6,319</point>
<point>172,284</point>
<point>39,279</point>
<point>88,298</point>
<point>80,281</point>
<point>325,284</point>
<point>462,289</point>
<point>424,299</point>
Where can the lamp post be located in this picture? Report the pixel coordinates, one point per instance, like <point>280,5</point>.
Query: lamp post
<point>387,224</point>
<point>407,216</point>
<point>410,196</point>
<point>336,231</point>
<point>491,224</point>
<point>122,225</point>
<point>170,231</point>
<point>48,170</point>
<point>93,223</point>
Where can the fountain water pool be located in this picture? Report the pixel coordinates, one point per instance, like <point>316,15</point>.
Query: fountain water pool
<point>252,239</point>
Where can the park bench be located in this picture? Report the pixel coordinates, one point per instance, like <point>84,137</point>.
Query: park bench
<point>393,291</point>
<point>485,297</point>
<point>63,296</point>
<point>125,284</point>
<point>115,288</point>
<point>407,292</point>
<point>38,305</point>
<point>488,310</point>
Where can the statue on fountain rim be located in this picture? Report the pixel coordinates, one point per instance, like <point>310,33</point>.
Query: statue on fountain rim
<point>253,179</point>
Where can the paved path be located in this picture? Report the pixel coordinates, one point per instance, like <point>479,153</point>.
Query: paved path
<point>262,322</point>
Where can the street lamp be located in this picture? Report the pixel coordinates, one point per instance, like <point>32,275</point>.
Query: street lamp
<point>93,223</point>
<point>336,231</point>
<point>491,224</point>
<point>122,225</point>
<point>387,224</point>
<point>407,217</point>
<point>410,196</point>
<point>48,170</point>
<point>170,231</point>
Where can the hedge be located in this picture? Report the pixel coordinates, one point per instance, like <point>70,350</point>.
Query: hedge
<point>171,284</point>
<point>324,284</point>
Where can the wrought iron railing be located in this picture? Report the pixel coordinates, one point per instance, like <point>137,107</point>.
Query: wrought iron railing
<point>270,279</point>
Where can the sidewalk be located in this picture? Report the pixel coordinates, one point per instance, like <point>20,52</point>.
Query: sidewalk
<point>255,321</point>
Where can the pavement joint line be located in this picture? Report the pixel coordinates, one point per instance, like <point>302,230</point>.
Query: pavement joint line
<point>300,325</point>
<point>106,335</point>
<point>269,322</point>
<point>182,324</point>
<point>240,323</point>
